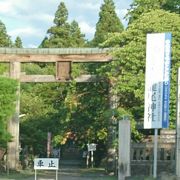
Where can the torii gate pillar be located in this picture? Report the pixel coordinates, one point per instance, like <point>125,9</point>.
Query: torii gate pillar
<point>13,126</point>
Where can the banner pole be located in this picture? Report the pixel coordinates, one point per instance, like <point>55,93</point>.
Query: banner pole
<point>56,174</point>
<point>35,175</point>
<point>178,127</point>
<point>155,153</point>
<point>92,159</point>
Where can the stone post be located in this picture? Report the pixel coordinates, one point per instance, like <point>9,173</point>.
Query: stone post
<point>124,149</point>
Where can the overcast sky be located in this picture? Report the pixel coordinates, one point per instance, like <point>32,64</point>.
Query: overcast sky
<point>30,19</point>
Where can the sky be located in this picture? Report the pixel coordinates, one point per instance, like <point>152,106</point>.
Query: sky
<point>30,19</point>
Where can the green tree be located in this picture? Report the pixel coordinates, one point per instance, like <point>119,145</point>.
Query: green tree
<point>4,37</point>
<point>7,107</point>
<point>108,22</point>
<point>58,107</point>
<point>38,120</point>
<point>139,7</point>
<point>63,34</point>
<point>59,33</point>
<point>18,42</point>
<point>172,6</point>
<point>5,41</point>
<point>76,37</point>
<point>44,43</point>
<point>127,71</point>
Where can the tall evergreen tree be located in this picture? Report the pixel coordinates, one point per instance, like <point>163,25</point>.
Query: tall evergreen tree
<point>77,38</point>
<point>59,33</point>
<point>5,41</point>
<point>4,37</point>
<point>63,34</point>
<point>44,43</point>
<point>108,22</point>
<point>18,42</point>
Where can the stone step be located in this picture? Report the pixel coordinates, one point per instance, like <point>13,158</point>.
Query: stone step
<point>70,163</point>
<point>71,153</point>
<point>70,157</point>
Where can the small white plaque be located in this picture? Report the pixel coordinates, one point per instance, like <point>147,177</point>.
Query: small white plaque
<point>91,147</point>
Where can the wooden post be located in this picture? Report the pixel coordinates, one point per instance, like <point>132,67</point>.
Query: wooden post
<point>124,149</point>
<point>178,127</point>
<point>48,144</point>
<point>13,126</point>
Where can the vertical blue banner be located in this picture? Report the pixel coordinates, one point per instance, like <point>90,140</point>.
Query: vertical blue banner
<point>166,83</point>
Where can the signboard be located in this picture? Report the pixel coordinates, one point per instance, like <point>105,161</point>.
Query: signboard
<point>91,147</point>
<point>157,80</point>
<point>46,163</point>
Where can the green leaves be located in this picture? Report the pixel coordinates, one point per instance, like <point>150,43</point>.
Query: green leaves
<point>61,15</point>
<point>63,34</point>
<point>108,23</point>
<point>127,71</point>
<point>7,107</point>
<point>4,37</point>
<point>18,42</point>
<point>140,7</point>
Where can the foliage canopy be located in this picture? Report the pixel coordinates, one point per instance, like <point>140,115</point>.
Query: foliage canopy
<point>63,34</point>
<point>7,107</point>
<point>139,7</point>
<point>18,42</point>
<point>5,40</point>
<point>128,70</point>
<point>108,23</point>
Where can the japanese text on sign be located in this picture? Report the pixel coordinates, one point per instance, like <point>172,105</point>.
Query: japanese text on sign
<point>157,86</point>
<point>46,163</point>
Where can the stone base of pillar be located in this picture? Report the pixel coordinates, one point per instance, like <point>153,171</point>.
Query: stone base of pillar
<point>111,164</point>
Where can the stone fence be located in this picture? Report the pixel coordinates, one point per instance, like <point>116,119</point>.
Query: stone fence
<point>142,155</point>
<point>2,152</point>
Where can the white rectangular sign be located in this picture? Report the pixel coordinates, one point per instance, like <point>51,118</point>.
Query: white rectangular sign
<point>46,163</point>
<point>157,80</point>
<point>91,147</point>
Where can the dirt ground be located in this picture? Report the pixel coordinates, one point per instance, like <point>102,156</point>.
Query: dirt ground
<point>76,174</point>
<point>64,174</point>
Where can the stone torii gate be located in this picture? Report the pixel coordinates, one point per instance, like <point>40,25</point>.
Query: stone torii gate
<point>63,58</point>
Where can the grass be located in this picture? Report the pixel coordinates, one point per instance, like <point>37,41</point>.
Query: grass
<point>16,175</point>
